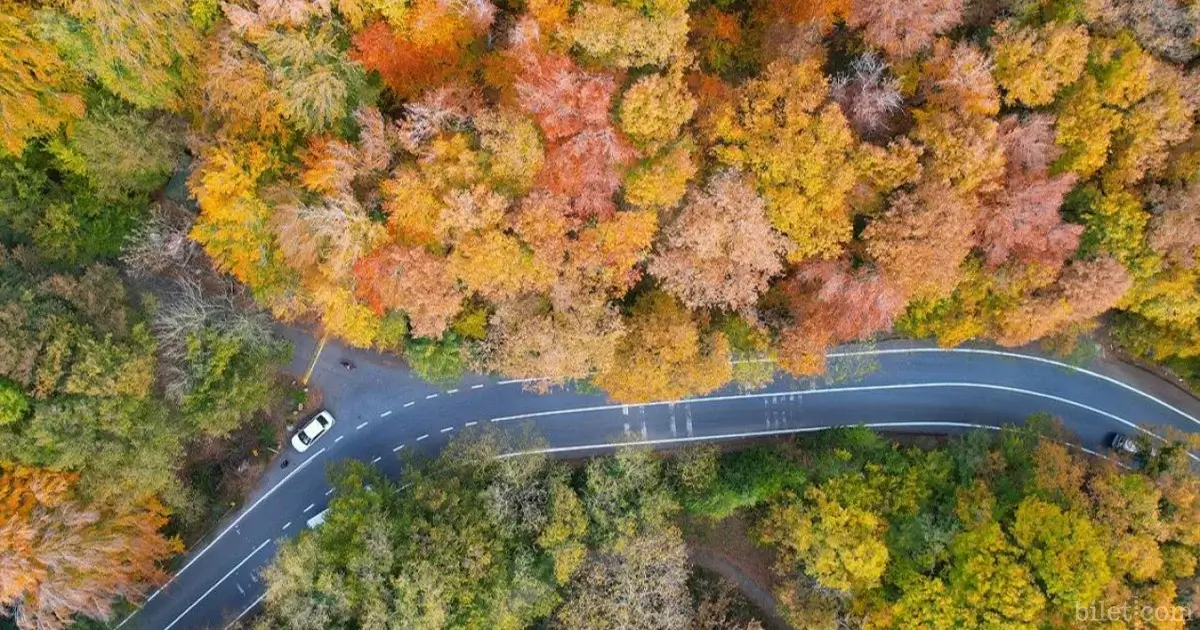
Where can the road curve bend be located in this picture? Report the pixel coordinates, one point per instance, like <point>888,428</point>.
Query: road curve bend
<point>383,411</point>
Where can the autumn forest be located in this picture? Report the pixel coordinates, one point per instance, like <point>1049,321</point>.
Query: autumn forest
<point>595,190</point>
<point>615,189</point>
<point>629,195</point>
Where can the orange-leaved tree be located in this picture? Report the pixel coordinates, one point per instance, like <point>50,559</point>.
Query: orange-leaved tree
<point>36,86</point>
<point>60,557</point>
<point>427,47</point>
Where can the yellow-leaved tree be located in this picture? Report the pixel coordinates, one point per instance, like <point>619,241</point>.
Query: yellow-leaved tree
<point>783,129</point>
<point>37,88</point>
<point>665,354</point>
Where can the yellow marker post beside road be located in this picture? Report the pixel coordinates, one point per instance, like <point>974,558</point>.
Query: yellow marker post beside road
<point>313,363</point>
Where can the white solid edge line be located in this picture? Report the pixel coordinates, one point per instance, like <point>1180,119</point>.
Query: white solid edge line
<point>523,380</point>
<point>999,353</point>
<point>859,388</point>
<point>1029,357</point>
<point>214,586</point>
<point>247,610</point>
<point>227,529</point>
<point>734,436</point>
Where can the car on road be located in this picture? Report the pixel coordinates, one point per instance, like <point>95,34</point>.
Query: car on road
<point>1124,444</point>
<point>315,428</point>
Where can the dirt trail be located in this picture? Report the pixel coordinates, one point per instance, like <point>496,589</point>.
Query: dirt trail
<point>753,591</point>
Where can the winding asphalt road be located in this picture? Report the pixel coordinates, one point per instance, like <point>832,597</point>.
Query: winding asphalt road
<point>382,411</point>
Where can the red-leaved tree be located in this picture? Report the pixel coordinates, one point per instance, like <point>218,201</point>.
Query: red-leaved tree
<point>584,151</point>
<point>904,27</point>
<point>1021,222</point>
<point>830,302</point>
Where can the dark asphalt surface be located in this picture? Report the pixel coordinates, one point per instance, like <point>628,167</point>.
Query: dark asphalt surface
<point>383,411</point>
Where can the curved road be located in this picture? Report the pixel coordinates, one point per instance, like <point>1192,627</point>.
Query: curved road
<point>382,410</point>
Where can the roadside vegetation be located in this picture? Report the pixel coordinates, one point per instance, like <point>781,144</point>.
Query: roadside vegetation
<point>987,530</point>
<point>622,195</point>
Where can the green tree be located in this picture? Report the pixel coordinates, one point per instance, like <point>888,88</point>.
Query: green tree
<point>992,583</point>
<point>456,548</point>
<point>121,151</point>
<point>13,402</point>
<point>144,52</point>
<point>626,495</point>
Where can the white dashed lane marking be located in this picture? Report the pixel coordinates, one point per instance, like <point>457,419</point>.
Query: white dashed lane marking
<point>409,404</point>
<point>214,586</point>
<point>447,429</point>
<point>479,386</point>
<point>431,396</point>
<point>338,439</point>
<point>471,424</point>
<point>329,492</point>
<point>386,413</point>
<point>287,525</point>
<point>451,391</point>
<point>376,460</point>
<point>310,506</point>
<point>397,449</point>
<point>422,437</point>
<point>359,427</point>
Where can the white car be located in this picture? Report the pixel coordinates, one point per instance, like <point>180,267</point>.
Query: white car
<point>1127,444</point>
<point>1124,444</point>
<point>318,426</point>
